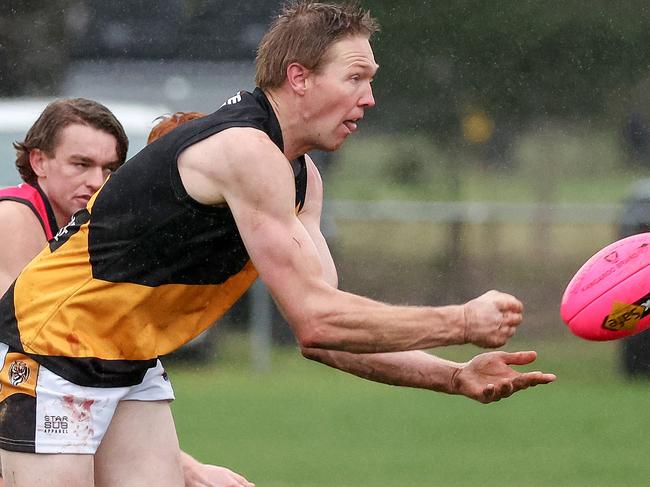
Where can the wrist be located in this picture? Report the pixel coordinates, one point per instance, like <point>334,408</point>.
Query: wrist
<point>454,380</point>
<point>463,325</point>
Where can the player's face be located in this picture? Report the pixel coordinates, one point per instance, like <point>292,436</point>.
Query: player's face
<point>341,91</point>
<point>81,162</point>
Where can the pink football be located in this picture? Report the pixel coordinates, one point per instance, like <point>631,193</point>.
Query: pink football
<point>609,297</point>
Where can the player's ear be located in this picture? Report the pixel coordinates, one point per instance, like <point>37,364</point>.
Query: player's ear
<point>37,160</point>
<point>297,76</point>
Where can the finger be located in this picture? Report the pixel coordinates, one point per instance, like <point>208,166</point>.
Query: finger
<point>512,319</point>
<point>531,379</point>
<point>519,358</point>
<point>243,482</point>
<point>488,394</point>
<point>506,389</point>
<point>510,303</point>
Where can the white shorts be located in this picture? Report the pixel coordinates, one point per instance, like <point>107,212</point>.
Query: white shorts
<point>41,412</point>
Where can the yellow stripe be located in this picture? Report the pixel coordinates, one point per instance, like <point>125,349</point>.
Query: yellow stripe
<point>61,310</point>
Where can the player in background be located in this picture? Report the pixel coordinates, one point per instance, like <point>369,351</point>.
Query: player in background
<point>66,156</point>
<point>167,123</point>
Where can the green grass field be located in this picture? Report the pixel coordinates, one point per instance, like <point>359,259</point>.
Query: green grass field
<point>303,424</point>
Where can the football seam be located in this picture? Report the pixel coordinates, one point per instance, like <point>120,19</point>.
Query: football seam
<point>605,292</point>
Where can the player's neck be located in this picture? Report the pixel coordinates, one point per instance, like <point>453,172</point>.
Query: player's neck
<point>287,113</point>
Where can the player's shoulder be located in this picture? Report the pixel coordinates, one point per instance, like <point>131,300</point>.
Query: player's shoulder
<point>239,148</point>
<point>18,216</point>
<point>243,140</point>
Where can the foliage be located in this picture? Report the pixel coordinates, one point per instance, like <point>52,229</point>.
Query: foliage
<point>516,60</point>
<point>555,162</point>
<point>33,49</point>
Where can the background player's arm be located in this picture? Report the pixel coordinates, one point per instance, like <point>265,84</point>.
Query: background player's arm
<point>22,238</point>
<point>243,168</point>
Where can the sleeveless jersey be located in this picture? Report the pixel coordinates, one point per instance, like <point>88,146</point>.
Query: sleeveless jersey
<point>143,269</point>
<point>35,199</point>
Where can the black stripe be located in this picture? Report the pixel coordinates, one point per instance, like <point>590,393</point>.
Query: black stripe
<point>301,183</point>
<point>8,324</point>
<point>96,372</point>
<point>78,219</point>
<point>51,219</point>
<point>18,423</point>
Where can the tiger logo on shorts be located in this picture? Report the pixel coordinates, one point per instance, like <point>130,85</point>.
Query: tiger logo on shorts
<point>18,373</point>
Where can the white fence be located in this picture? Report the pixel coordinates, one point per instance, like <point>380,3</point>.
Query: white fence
<point>473,212</point>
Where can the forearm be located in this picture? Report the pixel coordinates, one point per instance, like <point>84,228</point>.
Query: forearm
<point>407,369</point>
<point>351,323</point>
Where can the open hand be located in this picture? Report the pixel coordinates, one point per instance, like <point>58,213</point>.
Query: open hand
<point>488,377</point>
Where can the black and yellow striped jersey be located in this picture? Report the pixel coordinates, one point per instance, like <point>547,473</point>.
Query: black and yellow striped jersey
<point>143,269</point>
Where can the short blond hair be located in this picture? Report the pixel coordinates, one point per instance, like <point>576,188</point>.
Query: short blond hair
<point>302,33</point>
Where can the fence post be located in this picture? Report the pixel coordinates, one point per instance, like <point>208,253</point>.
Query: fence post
<point>260,323</point>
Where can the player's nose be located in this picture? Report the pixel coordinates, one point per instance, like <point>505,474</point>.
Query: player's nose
<point>367,100</point>
<point>95,178</point>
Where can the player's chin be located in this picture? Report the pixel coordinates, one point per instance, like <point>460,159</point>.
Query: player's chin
<point>338,142</point>
<point>330,146</point>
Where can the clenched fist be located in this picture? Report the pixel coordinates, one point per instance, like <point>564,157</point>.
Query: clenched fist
<point>491,319</point>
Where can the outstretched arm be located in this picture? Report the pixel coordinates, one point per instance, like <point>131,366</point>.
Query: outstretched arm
<point>486,378</point>
<point>242,168</point>
<point>346,331</point>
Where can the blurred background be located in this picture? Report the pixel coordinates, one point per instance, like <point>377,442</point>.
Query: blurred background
<point>511,140</point>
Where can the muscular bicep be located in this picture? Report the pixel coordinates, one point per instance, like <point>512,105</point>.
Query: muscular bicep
<point>260,191</point>
<point>22,239</point>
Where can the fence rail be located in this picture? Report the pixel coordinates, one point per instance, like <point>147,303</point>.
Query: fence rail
<point>428,212</point>
<point>473,212</point>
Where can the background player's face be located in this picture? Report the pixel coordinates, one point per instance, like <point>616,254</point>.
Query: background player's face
<point>82,160</point>
<point>341,91</point>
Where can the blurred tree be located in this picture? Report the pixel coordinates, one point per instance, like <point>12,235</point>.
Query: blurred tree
<point>518,60</point>
<point>211,30</point>
<point>33,47</point>
<point>128,29</point>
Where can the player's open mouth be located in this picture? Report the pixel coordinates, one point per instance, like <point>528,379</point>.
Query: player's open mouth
<point>351,125</point>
